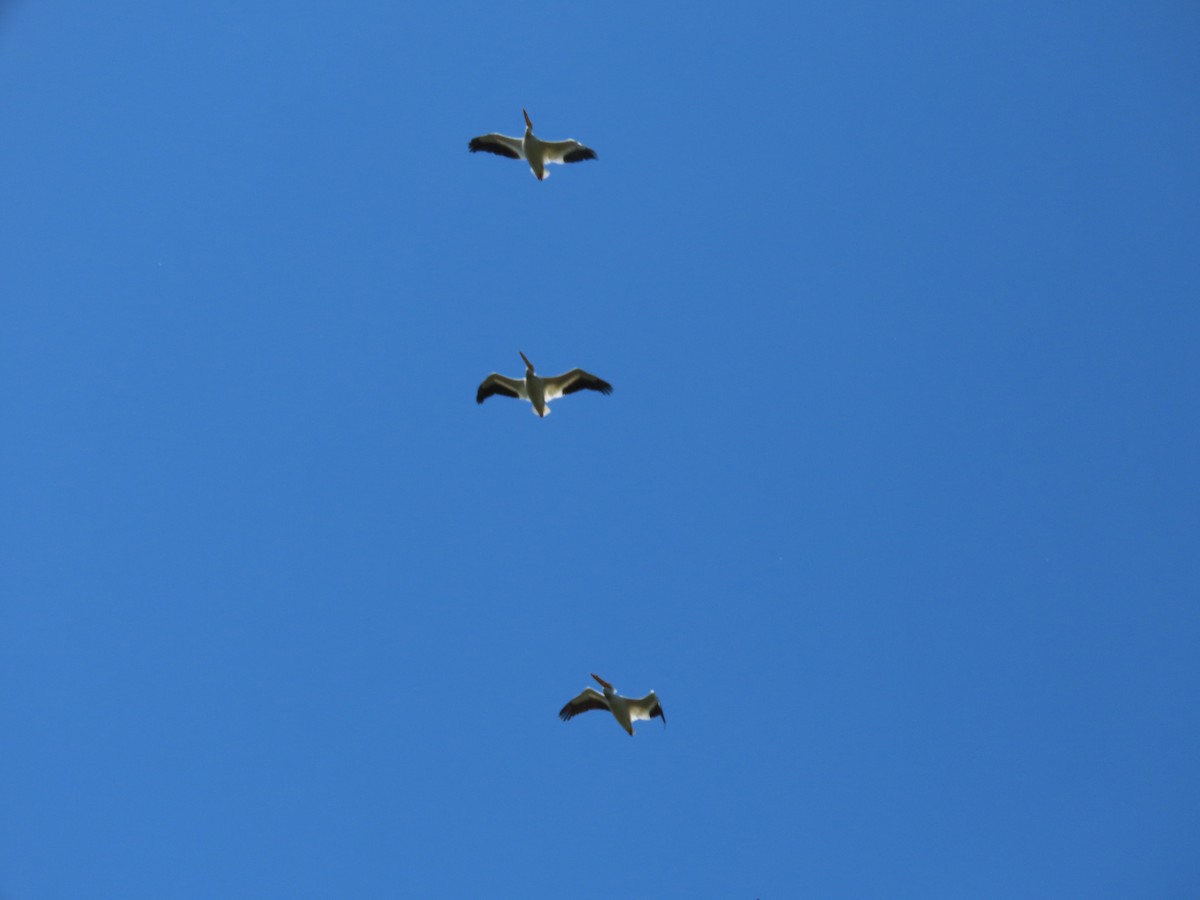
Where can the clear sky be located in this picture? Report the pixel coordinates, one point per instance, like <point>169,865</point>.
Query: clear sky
<point>896,502</point>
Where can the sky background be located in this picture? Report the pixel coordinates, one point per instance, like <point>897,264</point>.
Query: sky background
<point>895,504</point>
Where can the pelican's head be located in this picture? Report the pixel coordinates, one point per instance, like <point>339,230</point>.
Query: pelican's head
<point>528,124</point>
<point>528,364</point>
<point>604,684</point>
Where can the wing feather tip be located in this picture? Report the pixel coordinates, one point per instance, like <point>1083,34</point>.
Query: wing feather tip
<point>579,155</point>
<point>477,144</point>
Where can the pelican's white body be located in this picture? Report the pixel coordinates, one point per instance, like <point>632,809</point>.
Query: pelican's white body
<point>534,152</point>
<point>619,707</point>
<point>535,390</point>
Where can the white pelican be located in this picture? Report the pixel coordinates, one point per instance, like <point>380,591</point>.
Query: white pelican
<point>540,391</point>
<point>626,710</point>
<point>529,148</point>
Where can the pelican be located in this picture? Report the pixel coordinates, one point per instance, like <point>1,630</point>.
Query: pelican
<point>534,151</point>
<point>626,710</point>
<point>540,391</point>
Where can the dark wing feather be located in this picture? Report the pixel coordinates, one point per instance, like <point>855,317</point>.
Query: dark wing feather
<point>586,701</point>
<point>658,713</point>
<point>588,382</point>
<point>579,155</point>
<point>491,387</point>
<point>482,143</point>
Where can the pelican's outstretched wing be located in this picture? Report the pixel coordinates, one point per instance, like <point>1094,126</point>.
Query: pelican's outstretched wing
<point>575,380</point>
<point>568,152</point>
<point>589,699</point>
<point>500,144</point>
<point>505,387</point>
<point>646,708</point>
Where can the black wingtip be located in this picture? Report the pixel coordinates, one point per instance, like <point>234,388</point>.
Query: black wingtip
<point>479,144</point>
<point>579,155</point>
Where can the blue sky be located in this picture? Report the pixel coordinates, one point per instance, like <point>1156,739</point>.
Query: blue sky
<point>895,503</point>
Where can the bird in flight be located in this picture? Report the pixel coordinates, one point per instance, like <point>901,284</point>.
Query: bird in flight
<point>536,152</point>
<point>626,710</point>
<point>538,390</point>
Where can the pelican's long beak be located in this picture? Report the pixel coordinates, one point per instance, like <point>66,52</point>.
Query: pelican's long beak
<point>602,681</point>
<point>528,364</point>
<point>528,124</point>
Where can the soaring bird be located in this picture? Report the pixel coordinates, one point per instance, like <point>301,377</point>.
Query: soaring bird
<point>540,391</point>
<point>531,149</point>
<point>626,710</point>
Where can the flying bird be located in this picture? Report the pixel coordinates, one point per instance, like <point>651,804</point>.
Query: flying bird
<point>540,391</point>
<point>626,710</point>
<point>531,149</point>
